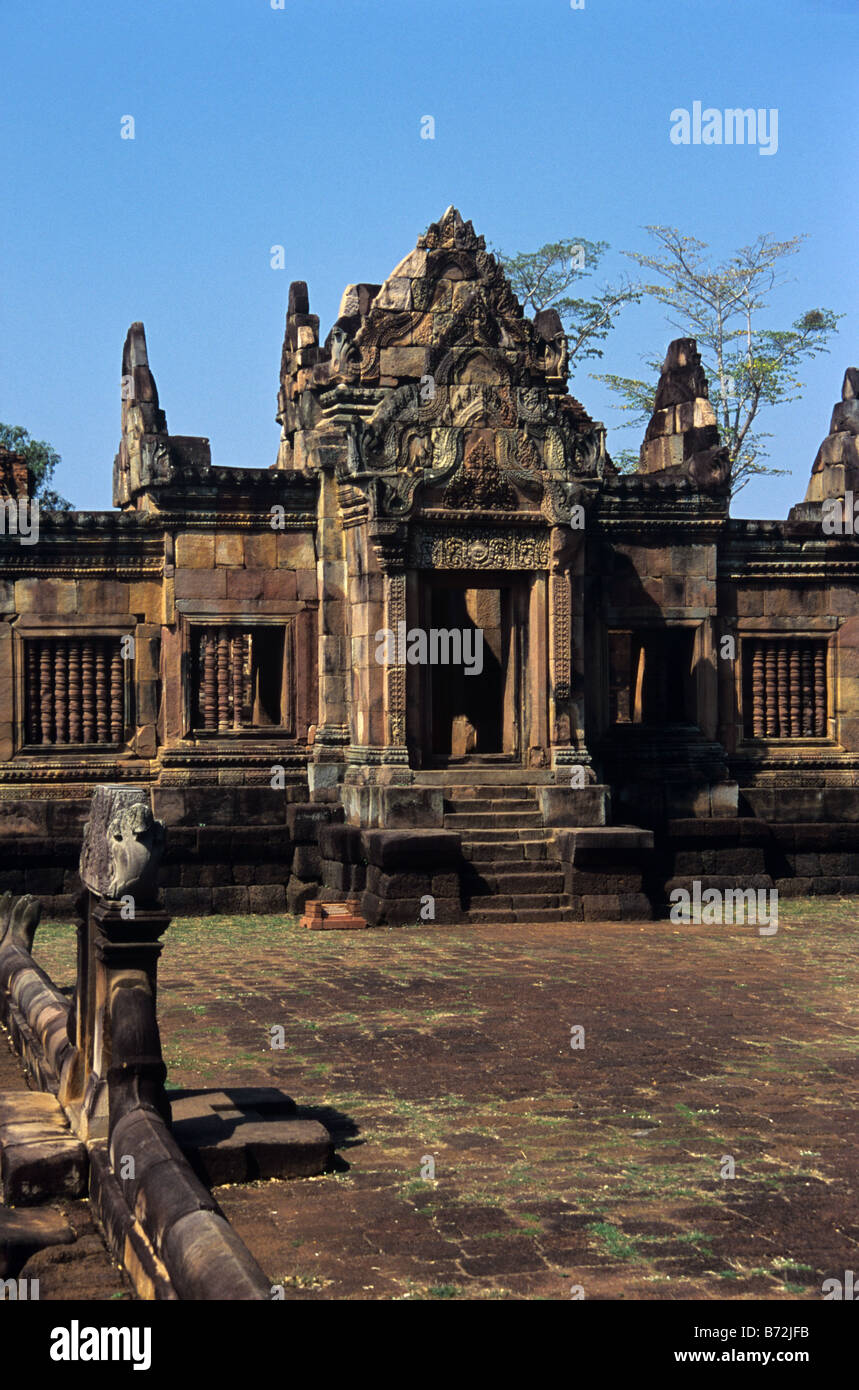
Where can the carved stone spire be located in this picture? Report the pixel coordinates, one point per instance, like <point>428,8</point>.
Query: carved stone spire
<point>836,468</point>
<point>683,435</point>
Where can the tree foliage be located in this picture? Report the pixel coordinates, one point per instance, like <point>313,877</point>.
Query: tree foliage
<point>41,460</point>
<point>544,279</point>
<point>720,304</point>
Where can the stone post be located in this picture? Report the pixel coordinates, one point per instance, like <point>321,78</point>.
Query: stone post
<point>118,950</point>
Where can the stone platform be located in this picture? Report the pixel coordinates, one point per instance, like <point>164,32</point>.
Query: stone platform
<point>242,1134</point>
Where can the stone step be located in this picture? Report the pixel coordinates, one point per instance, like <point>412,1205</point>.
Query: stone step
<point>490,792</point>
<point>511,837</point>
<point>504,775</point>
<point>490,806</point>
<point>524,868</point>
<point>476,916</point>
<point>504,882</point>
<point>511,851</point>
<point>517,902</point>
<point>466,821</point>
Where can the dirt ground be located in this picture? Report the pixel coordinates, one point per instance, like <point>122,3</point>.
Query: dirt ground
<point>601,1169</point>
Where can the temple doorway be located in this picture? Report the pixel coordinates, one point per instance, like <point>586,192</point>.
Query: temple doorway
<point>472,690</point>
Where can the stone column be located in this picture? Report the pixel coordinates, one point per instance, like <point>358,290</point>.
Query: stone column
<point>325,768</point>
<point>536,693</point>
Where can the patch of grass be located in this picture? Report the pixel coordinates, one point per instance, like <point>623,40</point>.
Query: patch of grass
<point>614,1242</point>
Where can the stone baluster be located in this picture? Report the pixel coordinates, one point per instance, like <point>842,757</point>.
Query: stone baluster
<point>807,691</point>
<point>34,704</point>
<point>46,692</point>
<point>771,684</point>
<point>758,701</point>
<point>61,707</point>
<point>223,679</point>
<point>820,690</point>
<point>88,692</point>
<point>210,703</point>
<point>74,648</point>
<point>238,675</point>
<point>783,692</point>
<point>247,687</point>
<point>102,693</point>
<point>117,713</point>
<point>795,693</point>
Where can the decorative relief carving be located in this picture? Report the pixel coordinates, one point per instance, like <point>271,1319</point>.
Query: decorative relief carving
<point>396,675</point>
<point>561,636</point>
<point>479,548</point>
<point>479,483</point>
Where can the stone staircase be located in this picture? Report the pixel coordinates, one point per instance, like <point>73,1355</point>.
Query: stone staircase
<point>512,873</point>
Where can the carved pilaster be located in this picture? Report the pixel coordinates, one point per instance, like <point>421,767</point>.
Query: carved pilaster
<point>389,539</point>
<point>395,607</point>
<point>560,636</point>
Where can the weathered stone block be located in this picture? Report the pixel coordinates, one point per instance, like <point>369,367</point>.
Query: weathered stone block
<point>267,897</point>
<point>248,583</point>
<point>306,861</point>
<point>195,550</point>
<point>261,550</point>
<point>201,583</point>
<point>402,849</point>
<point>304,820</point>
<point>295,550</point>
<point>298,895</point>
<point>36,1170</point>
<point>229,551</point>
<point>229,900</point>
<point>403,361</point>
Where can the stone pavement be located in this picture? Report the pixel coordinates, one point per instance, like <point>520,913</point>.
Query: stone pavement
<point>447,1051</point>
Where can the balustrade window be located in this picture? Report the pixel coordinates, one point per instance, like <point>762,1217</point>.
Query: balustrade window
<point>784,688</point>
<point>242,678</point>
<point>74,690</point>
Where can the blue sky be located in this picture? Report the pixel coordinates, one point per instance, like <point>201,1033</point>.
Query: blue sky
<point>257,126</point>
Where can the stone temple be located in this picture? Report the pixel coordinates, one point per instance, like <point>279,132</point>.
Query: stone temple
<point>441,661</point>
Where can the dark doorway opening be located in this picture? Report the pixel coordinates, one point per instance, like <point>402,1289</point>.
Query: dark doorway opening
<point>473,701</point>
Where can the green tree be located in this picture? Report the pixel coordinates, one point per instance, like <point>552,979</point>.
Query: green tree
<point>720,305</point>
<point>544,279</point>
<point>41,460</point>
